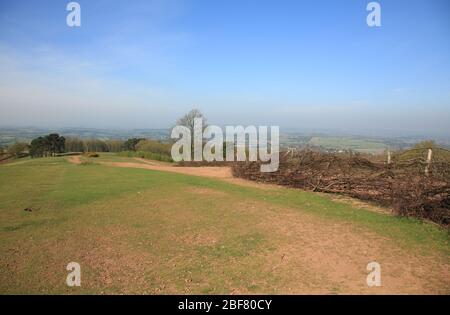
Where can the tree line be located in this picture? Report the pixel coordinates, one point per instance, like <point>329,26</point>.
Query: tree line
<point>54,144</point>
<point>74,144</point>
<point>98,145</point>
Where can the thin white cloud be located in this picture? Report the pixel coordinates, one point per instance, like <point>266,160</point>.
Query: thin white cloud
<point>50,88</point>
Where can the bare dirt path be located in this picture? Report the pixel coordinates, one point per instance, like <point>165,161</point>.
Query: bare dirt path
<point>210,171</point>
<point>219,172</point>
<point>76,159</point>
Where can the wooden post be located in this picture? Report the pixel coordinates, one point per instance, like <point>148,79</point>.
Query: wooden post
<point>427,167</point>
<point>388,157</point>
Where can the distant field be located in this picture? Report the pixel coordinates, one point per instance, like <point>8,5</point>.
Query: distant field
<point>142,231</point>
<point>355,144</point>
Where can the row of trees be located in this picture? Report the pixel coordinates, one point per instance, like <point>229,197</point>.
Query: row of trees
<point>53,144</point>
<point>153,146</point>
<point>93,145</point>
<point>97,145</point>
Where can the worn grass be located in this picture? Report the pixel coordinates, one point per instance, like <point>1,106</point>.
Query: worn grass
<point>141,231</point>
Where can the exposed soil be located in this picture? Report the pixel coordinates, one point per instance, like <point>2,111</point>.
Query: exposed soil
<point>75,159</point>
<point>219,172</point>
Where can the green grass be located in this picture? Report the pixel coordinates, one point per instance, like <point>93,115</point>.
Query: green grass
<point>405,231</point>
<point>160,227</point>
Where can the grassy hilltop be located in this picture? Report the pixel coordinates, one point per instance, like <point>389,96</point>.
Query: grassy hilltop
<point>144,231</point>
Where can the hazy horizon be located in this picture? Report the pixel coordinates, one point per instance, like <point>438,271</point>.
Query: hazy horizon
<point>370,133</point>
<point>297,64</point>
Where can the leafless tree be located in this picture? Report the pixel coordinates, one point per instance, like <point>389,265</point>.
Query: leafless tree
<point>188,120</point>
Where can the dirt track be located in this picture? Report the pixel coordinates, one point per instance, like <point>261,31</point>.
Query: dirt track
<point>74,159</point>
<point>218,172</point>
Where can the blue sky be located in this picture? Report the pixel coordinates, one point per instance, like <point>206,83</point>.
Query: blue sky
<point>298,64</point>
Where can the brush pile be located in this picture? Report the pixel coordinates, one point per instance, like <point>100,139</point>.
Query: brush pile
<point>402,186</point>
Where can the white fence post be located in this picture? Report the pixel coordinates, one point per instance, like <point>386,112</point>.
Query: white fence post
<point>427,167</point>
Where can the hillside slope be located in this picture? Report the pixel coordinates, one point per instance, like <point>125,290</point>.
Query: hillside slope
<point>145,231</point>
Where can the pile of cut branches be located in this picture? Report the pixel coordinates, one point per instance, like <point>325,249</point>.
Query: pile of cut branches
<point>404,188</point>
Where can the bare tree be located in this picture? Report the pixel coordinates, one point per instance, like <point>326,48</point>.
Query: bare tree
<point>188,120</point>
